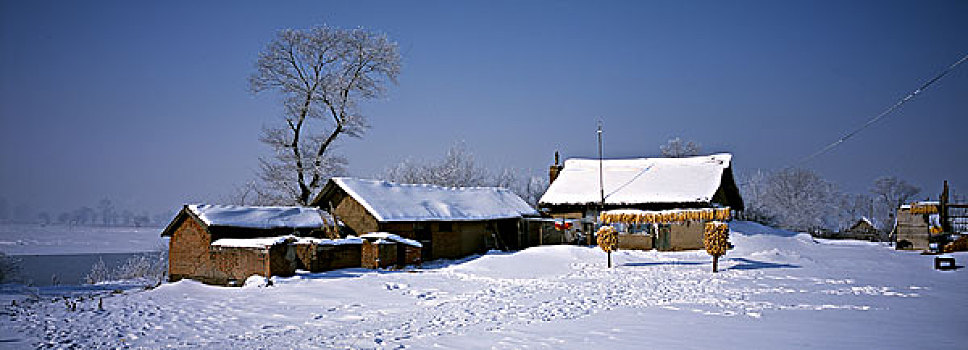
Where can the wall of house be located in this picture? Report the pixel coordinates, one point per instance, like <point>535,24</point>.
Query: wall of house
<point>354,215</point>
<point>686,236</point>
<point>912,231</point>
<point>634,241</point>
<point>188,252</point>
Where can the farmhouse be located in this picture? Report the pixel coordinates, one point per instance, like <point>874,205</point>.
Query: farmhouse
<point>448,222</point>
<point>685,191</point>
<point>223,244</point>
<point>863,229</point>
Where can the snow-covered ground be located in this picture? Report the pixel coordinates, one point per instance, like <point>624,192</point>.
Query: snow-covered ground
<point>776,290</point>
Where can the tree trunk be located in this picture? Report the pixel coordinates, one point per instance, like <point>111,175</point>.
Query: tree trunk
<point>609,259</point>
<point>715,264</point>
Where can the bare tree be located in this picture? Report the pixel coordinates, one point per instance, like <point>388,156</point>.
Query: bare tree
<point>322,74</point>
<point>677,148</point>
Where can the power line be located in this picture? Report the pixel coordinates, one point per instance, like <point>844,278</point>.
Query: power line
<point>885,112</point>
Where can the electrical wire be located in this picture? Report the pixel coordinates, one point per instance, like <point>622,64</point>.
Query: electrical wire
<point>885,112</point>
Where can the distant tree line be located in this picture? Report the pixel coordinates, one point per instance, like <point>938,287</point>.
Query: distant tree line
<point>105,213</point>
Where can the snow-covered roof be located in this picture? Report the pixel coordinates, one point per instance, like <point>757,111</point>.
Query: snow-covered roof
<point>258,243</point>
<point>391,237</point>
<point>327,241</point>
<point>266,242</point>
<point>388,201</point>
<point>639,180</point>
<point>259,217</point>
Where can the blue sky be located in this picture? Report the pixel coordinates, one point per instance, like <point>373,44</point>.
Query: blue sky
<point>146,102</point>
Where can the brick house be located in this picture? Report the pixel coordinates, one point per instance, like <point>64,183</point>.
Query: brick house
<point>652,185</point>
<point>449,222</point>
<point>224,245</point>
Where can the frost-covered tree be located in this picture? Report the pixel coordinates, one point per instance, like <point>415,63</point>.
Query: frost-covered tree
<point>753,189</point>
<point>321,74</point>
<point>676,148</point>
<point>458,168</point>
<point>890,193</point>
<point>893,191</point>
<point>800,199</point>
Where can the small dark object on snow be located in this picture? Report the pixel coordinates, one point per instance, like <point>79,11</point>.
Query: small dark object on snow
<point>944,263</point>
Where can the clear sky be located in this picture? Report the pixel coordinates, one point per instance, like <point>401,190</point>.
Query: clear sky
<point>147,102</point>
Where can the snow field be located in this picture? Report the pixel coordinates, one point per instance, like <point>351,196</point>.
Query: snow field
<point>544,297</point>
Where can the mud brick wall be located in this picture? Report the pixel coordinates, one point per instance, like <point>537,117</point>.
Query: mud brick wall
<point>634,241</point>
<point>411,255</point>
<point>282,260</point>
<point>233,265</point>
<point>318,258</point>
<point>355,216</point>
<point>188,252</point>
<point>378,255</point>
<point>687,236</point>
<point>306,257</point>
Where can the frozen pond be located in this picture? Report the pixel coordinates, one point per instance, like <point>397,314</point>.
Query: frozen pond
<point>55,254</point>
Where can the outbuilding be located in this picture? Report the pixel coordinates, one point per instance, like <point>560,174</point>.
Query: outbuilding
<point>225,244</point>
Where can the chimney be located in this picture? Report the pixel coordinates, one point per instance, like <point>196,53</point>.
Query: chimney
<point>554,170</point>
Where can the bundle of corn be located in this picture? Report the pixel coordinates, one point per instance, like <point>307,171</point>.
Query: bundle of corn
<point>923,208</point>
<point>716,241</point>
<point>608,241</point>
<point>959,245</point>
<point>664,217</point>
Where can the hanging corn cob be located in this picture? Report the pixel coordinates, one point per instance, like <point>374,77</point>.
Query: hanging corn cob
<point>716,240</point>
<point>664,217</point>
<point>608,241</point>
<point>923,208</point>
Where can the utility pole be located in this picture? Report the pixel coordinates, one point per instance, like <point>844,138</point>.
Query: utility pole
<point>601,181</point>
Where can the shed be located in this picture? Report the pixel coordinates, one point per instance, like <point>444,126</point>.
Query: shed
<point>225,244</point>
<point>449,222</point>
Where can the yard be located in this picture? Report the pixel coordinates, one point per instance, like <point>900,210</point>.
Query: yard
<point>777,289</point>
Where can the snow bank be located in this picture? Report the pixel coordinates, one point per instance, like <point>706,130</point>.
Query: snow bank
<point>640,180</point>
<point>389,201</point>
<point>259,217</point>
